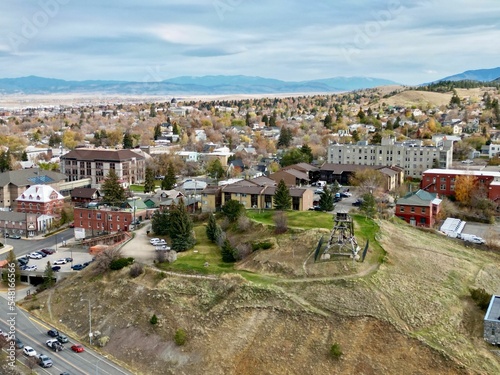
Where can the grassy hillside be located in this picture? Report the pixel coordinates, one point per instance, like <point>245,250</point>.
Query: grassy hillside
<point>406,309</point>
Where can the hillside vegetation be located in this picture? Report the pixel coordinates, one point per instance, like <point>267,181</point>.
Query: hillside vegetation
<point>405,310</point>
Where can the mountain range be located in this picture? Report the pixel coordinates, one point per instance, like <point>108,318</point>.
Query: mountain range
<point>213,85</point>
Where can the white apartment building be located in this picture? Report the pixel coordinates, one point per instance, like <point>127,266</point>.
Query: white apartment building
<point>412,156</point>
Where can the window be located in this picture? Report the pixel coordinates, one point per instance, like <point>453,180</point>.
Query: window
<point>98,216</point>
<point>402,209</point>
<point>423,210</point>
<point>412,209</point>
<point>442,186</point>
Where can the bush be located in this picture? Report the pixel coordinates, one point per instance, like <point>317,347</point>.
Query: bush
<point>136,270</point>
<point>261,245</point>
<point>120,263</point>
<point>336,351</point>
<point>481,297</point>
<point>180,337</point>
<point>153,320</point>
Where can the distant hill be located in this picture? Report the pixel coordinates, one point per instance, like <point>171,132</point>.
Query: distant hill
<point>206,85</point>
<point>483,75</point>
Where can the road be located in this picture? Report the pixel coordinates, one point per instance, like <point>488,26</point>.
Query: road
<point>23,246</point>
<point>33,332</point>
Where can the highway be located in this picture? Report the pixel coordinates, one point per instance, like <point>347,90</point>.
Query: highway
<point>33,332</point>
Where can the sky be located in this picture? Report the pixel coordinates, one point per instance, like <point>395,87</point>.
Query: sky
<point>409,42</point>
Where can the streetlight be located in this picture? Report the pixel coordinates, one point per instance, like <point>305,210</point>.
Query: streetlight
<point>90,320</point>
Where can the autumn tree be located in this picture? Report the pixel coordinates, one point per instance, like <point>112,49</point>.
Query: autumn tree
<point>464,188</point>
<point>368,180</point>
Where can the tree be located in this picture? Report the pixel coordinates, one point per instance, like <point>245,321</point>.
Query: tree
<point>114,193</point>
<point>326,200</point>
<point>157,132</point>
<point>160,222</point>
<point>175,129</point>
<point>293,156</point>
<point>180,229</point>
<point>5,161</point>
<point>328,121</point>
<point>368,180</point>
<point>285,137</point>
<point>465,186</point>
<point>24,156</point>
<point>152,110</point>
<point>154,320</point>
<point>48,276</point>
<point>307,151</point>
<point>213,229</point>
<point>265,120</point>
<point>11,263</point>
<point>227,252</point>
<point>169,180</point>
<point>247,119</point>
<point>282,197</point>
<point>369,205</point>
<point>128,141</point>
<point>232,209</point>
<point>215,169</point>
<point>149,181</point>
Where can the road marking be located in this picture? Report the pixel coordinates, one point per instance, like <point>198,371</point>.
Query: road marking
<point>38,322</point>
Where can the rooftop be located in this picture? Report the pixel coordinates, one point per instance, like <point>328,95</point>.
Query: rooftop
<point>493,312</point>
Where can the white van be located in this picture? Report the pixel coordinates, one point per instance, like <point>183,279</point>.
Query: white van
<point>319,183</point>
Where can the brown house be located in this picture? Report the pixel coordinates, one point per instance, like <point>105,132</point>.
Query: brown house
<point>291,176</point>
<point>80,196</point>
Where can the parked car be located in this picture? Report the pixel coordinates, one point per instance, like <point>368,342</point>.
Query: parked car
<point>69,260</point>
<point>56,268</point>
<point>44,361</point>
<point>344,195</point>
<point>153,240</point>
<point>19,344</point>
<point>468,161</point>
<point>318,191</point>
<point>315,208</point>
<point>53,332</point>
<point>77,348</point>
<point>15,237</point>
<point>71,225</point>
<point>159,243</point>
<point>41,253</point>
<point>35,255</point>
<point>48,251</point>
<point>358,202</point>
<point>61,261</point>
<point>29,351</point>
<point>23,261</point>
<point>30,268</point>
<point>78,267</point>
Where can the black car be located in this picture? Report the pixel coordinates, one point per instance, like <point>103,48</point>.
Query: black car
<point>41,253</point>
<point>23,261</point>
<point>48,251</point>
<point>78,267</point>
<point>358,202</point>
<point>69,260</point>
<point>53,333</point>
<point>56,268</point>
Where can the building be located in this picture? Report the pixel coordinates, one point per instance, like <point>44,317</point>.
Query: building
<point>40,200</point>
<point>291,177</point>
<point>257,193</point>
<point>412,156</point>
<point>81,196</point>
<point>130,166</point>
<point>14,183</point>
<point>419,208</point>
<point>442,181</point>
<point>22,224</point>
<point>492,322</point>
<point>342,174</point>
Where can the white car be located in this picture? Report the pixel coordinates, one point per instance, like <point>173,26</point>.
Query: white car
<point>35,256</point>
<point>29,351</point>
<point>468,161</point>
<point>31,268</point>
<point>153,240</point>
<point>61,261</point>
<point>159,243</point>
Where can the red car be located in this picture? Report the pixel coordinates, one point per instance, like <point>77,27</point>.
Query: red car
<point>71,225</point>
<point>77,348</point>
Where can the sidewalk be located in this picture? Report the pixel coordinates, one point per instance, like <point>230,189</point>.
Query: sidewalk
<point>22,291</point>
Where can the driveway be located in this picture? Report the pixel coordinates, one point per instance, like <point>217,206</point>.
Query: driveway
<point>139,247</point>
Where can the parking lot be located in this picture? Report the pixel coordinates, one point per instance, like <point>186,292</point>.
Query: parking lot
<point>79,256</point>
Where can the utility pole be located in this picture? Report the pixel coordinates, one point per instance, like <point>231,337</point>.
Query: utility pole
<point>90,321</point>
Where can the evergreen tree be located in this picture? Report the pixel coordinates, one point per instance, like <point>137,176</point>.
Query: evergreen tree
<point>232,209</point>
<point>114,193</point>
<point>227,252</point>
<point>5,161</point>
<point>282,197</point>
<point>149,181</point>
<point>24,156</point>
<point>265,120</point>
<point>307,151</point>
<point>48,276</point>
<point>11,259</point>
<point>181,228</point>
<point>157,133</point>
<point>285,137</point>
<point>152,110</point>
<point>369,205</point>
<point>175,129</point>
<point>128,141</point>
<point>272,121</point>
<point>327,121</point>
<point>326,200</point>
<point>213,229</point>
<point>169,180</point>
<point>160,222</point>
<point>247,119</point>
<point>293,156</point>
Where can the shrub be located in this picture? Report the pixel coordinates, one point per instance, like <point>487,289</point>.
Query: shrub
<point>280,222</point>
<point>136,270</point>
<point>153,320</point>
<point>120,263</point>
<point>261,245</point>
<point>481,297</point>
<point>336,351</point>
<point>180,337</point>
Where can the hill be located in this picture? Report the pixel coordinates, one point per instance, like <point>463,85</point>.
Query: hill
<point>206,85</point>
<point>483,75</point>
<point>405,310</point>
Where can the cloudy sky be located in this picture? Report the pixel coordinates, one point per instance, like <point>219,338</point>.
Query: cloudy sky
<point>151,40</point>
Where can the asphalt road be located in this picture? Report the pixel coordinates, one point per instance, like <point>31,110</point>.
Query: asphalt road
<point>33,332</point>
<point>23,246</point>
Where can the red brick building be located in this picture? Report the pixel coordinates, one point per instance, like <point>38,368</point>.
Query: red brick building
<point>40,200</point>
<point>419,208</point>
<point>442,181</point>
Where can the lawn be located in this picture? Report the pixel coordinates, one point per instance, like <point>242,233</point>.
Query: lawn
<point>296,219</point>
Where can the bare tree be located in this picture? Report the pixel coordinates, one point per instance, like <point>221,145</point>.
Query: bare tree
<point>280,222</point>
<point>104,259</point>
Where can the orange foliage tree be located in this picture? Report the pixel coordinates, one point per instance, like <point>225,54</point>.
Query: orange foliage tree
<point>464,188</point>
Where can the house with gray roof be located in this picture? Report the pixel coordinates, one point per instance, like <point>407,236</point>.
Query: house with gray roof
<point>492,321</point>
